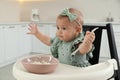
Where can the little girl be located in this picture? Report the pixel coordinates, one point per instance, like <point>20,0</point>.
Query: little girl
<point>69,37</point>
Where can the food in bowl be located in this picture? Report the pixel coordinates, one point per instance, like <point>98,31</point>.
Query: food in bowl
<point>40,64</point>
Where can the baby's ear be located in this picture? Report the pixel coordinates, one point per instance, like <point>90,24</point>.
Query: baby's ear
<point>78,29</point>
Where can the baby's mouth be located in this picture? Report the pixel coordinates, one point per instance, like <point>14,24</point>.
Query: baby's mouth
<point>60,36</point>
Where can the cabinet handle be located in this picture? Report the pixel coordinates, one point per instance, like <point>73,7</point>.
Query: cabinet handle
<point>11,27</point>
<point>3,28</point>
<point>23,26</point>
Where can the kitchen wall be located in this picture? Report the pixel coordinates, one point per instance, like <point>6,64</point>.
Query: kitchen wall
<point>9,11</point>
<point>92,9</point>
<point>96,10</point>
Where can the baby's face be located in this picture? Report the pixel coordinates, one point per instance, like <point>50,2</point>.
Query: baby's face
<point>65,31</point>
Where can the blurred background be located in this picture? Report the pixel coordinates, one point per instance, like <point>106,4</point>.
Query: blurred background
<point>47,10</point>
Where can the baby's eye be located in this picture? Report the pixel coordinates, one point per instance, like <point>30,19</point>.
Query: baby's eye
<point>57,28</point>
<point>64,28</point>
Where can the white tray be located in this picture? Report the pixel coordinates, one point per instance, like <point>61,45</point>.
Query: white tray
<point>101,71</point>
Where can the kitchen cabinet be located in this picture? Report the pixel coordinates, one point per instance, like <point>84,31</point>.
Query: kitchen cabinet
<point>1,45</point>
<point>24,40</point>
<point>14,41</point>
<point>11,42</point>
<point>17,42</point>
<point>116,29</point>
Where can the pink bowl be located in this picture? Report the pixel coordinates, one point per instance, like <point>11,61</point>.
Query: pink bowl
<point>40,64</point>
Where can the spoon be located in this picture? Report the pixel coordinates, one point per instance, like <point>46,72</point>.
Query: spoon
<point>28,60</point>
<point>73,53</point>
<point>95,29</point>
<point>50,58</point>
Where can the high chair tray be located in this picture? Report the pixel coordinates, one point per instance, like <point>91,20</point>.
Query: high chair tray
<point>101,71</point>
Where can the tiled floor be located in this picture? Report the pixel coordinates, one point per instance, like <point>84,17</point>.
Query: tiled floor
<point>6,73</point>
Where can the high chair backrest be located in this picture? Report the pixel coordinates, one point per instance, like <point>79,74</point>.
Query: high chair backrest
<point>97,43</point>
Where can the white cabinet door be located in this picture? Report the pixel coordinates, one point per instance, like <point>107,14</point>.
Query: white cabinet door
<point>14,42</point>
<point>11,42</point>
<point>24,40</point>
<point>2,57</point>
<point>17,42</point>
<point>116,29</point>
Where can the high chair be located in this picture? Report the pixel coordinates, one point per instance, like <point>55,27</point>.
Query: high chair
<point>97,71</point>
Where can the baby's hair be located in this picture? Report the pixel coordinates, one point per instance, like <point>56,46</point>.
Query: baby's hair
<point>78,21</point>
<point>79,14</point>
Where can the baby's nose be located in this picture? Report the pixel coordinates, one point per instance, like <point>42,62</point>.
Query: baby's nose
<point>59,31</point>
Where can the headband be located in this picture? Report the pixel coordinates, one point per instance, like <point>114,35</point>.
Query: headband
<point>70,15</point>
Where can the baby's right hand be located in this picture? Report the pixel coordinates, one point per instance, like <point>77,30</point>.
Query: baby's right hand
<point>33,29</point>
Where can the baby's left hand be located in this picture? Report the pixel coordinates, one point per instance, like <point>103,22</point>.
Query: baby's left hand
<point>89,37</point>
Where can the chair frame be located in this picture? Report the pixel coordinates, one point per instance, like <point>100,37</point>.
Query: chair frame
<point>97,43</point>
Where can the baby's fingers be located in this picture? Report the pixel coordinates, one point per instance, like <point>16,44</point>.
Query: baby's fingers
<point>88,33</point>
<point>30,31</point>
<point>90,37</point>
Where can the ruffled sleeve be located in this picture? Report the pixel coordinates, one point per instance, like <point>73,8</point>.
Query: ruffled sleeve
<point>55,42</point>
<point>78,41</point>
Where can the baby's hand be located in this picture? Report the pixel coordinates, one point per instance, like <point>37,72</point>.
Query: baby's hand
<point>89,37</point>
<point>33,29</point>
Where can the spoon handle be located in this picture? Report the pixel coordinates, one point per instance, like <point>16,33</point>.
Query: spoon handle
<point>95,29</point>
<point>73,53</point>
